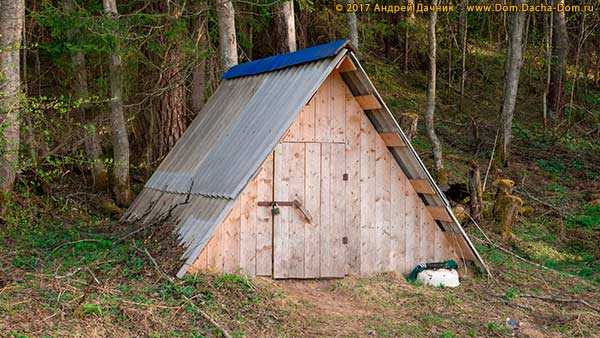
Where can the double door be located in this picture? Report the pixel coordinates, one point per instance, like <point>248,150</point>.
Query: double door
<point>309,233</point>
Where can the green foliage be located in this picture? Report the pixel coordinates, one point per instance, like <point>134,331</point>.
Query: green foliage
<point>447,334</point>
<point>499,329</point>
<point>552,166</point>
<point>511,294</point>
<point>589,219</point>
<point>91,309</point>
<point>236,281</point>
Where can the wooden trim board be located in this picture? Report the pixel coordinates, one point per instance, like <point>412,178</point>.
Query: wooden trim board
<point>422,187</point>
<point>392,139</point>
<point>439,214</point>
<point>368,102</point>
<point>346,66</point>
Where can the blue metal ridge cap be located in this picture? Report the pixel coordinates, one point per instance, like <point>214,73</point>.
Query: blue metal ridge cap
<point>281,61</point>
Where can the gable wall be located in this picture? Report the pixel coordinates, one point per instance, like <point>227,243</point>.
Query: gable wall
<point>387,224</point>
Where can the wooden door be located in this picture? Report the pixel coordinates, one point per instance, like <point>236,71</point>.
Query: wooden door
<point>312,174</point>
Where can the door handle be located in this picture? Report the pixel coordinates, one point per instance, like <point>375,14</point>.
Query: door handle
<point>303,210</point>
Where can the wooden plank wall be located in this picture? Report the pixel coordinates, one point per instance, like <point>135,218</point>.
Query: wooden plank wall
<point>386,223</point>
<point>243,241</point>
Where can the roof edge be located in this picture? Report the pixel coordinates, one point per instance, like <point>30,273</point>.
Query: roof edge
<point>281,61</point>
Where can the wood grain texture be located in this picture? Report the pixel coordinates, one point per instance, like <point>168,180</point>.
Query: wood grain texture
<point>323,112</point>
<point>295,238</point>
<point>346,66</point>
<point>264,220</point>
<point>312,202</point>
<point>338,108</point>
<point>353,210</point>
<point>338,210</point>
<point>392,139</point>
<point>368,102</point>
<point>439,213</point>
<point>422,187</point>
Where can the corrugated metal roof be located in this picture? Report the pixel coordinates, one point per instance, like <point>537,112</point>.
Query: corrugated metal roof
<point>225,145</point>
<point>237,129</point>
<point>282,61</point>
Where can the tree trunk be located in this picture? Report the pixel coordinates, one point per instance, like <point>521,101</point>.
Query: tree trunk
<point>429,114</point>
<point>548,23</point>
<point>302,29</point>
<point>406,50</point>
<point>227,38</point>
<point>352,27</point>
<point>476,192</point>
<point>92,142</point>
<point>514,62</point>
<point>90,130</point>
<point>120,139</point>
<point>580,41</point>
<point>558,64</point>
<point>285,27</point>
<point>463,52</point>
<point>169,108</point>
<point>169,121</point>
<point>12,15</point>
<point>199,73</point>
<point>409,122</point>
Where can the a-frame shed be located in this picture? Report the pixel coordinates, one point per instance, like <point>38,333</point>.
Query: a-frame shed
<point>296,168</point>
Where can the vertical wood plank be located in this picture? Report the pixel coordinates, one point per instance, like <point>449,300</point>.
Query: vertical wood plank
<point>312,203</point>
<point>338,107</point>
<point>231,240</point>
<point>438,250</point>
<point>323,113</point>
<point>293,134</point>
<point>381,179</point>
<point>338,211</point>
<point>325,214</point>
<point>411,227</point>
<point>307,125</point>
<point>419,232</point>
<point>353,204</point>
<point>431,229</point>
<point>398,221</point>
<point>367,196</point>
<point>280,231</point>
<point>248,227</point>
<point>264,221</point>
<point>215,255</point>
<point>201,264</point>
<point>296,223</point>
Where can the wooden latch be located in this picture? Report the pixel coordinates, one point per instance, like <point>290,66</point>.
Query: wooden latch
<point>295,203</point>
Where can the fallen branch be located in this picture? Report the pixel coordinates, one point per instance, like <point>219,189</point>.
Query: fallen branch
<point>553,299</point>
<point>93,275</point>
<point>562,300</point>
<point>75,242</point>
<point>525,259</point>
<point>487,171</point>
<point>490,242</point>
<point>187,299</point>
<point>160,219</point>
<point>215,324</point>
